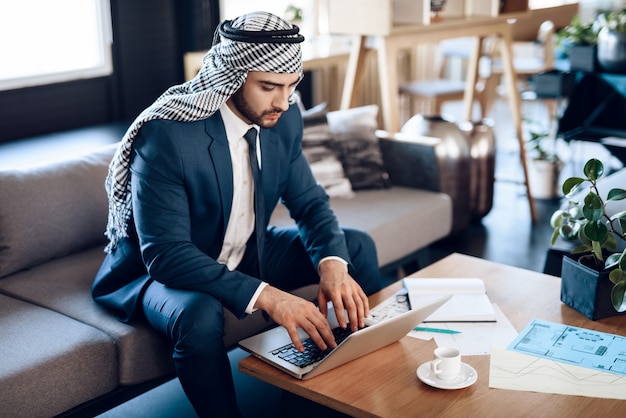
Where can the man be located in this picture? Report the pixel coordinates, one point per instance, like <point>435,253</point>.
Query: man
<point>188,222</point>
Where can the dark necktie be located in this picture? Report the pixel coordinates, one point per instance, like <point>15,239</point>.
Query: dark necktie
<point>259,206</point>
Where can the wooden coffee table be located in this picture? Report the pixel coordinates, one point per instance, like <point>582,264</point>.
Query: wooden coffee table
<point>385,384</point>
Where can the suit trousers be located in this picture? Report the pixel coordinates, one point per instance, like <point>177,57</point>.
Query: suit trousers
<point>194,321</point>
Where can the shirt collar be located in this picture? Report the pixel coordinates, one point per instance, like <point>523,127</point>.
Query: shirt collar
<point>235,127</point>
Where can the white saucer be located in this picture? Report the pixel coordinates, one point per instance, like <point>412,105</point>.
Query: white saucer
<point>466,378</point>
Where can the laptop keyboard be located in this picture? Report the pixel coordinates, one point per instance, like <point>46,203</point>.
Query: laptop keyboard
<point>389,308</point>
<point>312,353</point>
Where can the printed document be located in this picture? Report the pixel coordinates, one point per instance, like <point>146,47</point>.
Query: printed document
<point>555,358</point>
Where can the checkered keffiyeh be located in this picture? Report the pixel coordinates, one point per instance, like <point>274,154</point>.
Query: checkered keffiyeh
<point>257,41</point>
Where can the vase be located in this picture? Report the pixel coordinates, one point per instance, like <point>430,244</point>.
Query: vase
<point>482,144</point>
<point>453,158</point>
<point>612,51</point>
<point>586,290</point>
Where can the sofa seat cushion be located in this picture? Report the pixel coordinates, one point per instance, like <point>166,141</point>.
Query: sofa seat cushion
<point>401,220</point>
<point>63,285</point>
<point>55,359</point>
<point>52,210</point>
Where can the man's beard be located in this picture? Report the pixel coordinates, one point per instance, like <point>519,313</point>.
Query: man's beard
<point>242,105</point>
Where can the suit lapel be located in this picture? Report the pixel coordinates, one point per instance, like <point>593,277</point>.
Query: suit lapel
<point>219,153</point>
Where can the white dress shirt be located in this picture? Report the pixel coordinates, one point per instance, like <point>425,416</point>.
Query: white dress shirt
<point>241,222</point>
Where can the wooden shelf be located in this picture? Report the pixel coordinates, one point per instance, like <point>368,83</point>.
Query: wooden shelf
<point>381,17</point>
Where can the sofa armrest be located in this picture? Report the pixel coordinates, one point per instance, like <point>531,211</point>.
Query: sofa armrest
<point>411,161</point>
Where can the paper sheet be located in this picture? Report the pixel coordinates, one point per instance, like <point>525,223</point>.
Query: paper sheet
<point>476,338</point>
<point>582,347</point>
<point>517,371</point>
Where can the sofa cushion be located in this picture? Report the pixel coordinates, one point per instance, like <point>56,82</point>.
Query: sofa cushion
<point>319,152</point>
<point>58,360</point>
<point>39,216</point>
<point>318,148</point>
<point>63,285</point>
<point>357,146</point>
<point>388,215</point>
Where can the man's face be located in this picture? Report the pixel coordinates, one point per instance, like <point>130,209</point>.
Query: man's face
<point>263,97</point>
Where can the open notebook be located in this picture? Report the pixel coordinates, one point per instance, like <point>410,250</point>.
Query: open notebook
<point>469,302</point>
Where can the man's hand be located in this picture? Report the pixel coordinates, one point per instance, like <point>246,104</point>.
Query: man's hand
<point>338,286</point>
<point>293,312</point>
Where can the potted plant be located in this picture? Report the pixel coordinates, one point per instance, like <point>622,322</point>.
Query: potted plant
<point>612,41</point>
<point>544,166</point>
<point>293,14</point>
<point>579,39</point>
<point>594,283</point>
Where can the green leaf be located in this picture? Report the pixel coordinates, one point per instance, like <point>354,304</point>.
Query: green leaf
<point>622,226</point>
<point>596,231</point>
<point>568,231</point>
<point>573,210</point>
<point>583,237</point>
<point>556,220</point>
<point>571,184</point>
<point>616,194</point>
<point>593,209</point>
<point>555,235</point>
<point>617,276</point>
<point>610,243</point>
<point>617,296</point>
<point>597,250</point>
<point>593,169</point>
<point>612,260</point>
<point>581,249</point>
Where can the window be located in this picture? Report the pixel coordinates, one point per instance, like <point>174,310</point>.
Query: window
<point>540,4</point>
<point>43,41</point>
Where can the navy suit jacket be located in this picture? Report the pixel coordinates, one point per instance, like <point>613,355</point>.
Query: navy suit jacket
<point>182,193</point>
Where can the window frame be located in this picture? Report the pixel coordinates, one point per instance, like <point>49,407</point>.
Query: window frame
<point>103,69</point>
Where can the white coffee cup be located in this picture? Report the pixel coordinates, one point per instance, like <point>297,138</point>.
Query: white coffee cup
<point>447,363</point>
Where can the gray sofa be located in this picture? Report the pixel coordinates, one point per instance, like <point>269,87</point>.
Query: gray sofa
<point>62,354</point>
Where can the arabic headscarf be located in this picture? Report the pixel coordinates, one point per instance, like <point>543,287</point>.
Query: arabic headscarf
<point>257,41</point>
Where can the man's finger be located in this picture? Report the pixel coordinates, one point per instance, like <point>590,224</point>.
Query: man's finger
<point>352,307</point>
<point>295,338</point>
<point>319,331</point>
<point>340,313</point>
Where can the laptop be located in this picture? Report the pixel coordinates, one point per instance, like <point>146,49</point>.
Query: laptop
<point>274,346</point>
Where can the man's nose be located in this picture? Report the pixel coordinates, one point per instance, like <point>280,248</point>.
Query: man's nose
<point>281,101</point>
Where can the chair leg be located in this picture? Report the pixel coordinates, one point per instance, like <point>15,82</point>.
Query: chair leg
<point>487,96</point>
<point>436,106</point>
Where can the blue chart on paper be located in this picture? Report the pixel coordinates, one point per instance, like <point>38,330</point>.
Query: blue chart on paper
<point>577,346</point>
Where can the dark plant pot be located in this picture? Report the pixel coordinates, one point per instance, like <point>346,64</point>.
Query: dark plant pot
<point>583,58</point>
<point>612,51</point>
<point>586,290</point>
<point>554,84</point>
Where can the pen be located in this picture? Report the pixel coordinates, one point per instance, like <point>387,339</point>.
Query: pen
<point>441,330</point>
